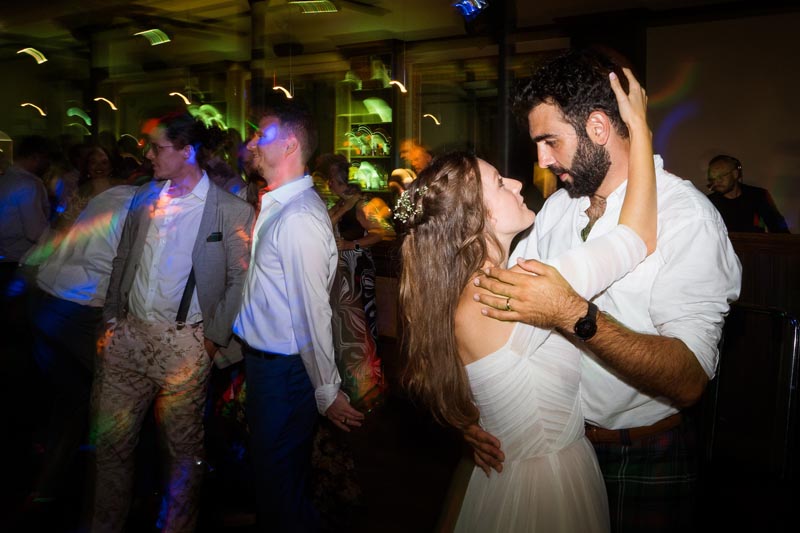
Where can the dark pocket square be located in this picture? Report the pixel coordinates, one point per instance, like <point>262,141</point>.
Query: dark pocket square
<point>215,237</point>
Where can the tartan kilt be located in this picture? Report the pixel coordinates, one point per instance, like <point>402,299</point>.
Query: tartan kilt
<point>652,482</point>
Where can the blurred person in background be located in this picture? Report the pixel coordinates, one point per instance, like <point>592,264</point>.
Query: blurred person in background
<point>24,205</point>
<point>360,221</point>
<point>66,317</point>
<point>130,156</point>
<point>97,174</point>
<point>63,184</point>
<point>24,217</point>
<point>744,208</point>
<point>415,155</point>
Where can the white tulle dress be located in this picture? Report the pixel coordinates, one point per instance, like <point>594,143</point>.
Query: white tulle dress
<point>528,393</point>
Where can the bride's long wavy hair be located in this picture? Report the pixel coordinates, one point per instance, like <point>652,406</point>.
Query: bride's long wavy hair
<point>446,243</point>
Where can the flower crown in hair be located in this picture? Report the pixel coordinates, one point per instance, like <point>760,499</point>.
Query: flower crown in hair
<point>404,209</point>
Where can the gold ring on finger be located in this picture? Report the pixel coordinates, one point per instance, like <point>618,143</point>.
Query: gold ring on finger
<point>508,303</point>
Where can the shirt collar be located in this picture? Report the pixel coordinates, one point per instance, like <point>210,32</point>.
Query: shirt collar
<point>287,191</point>
<point>200,190</point>
<point>619,193</point>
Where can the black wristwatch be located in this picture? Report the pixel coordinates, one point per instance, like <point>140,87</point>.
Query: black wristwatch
<point>586,327</point>
<point>356,246</point>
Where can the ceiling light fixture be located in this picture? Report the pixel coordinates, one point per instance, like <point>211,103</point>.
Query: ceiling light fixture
<point>34,53</point>
<point>402,61</point>
<point>400,85</point>
<point>436,120</point>
<point>80,113</point>
<point>179,95</point>
<point>313,7</point>
<point>276,87</point>
<point>39,109</point>
<point>155,36</point>
<point>106,100</point>
<point>283,90</point>
<point>80,127</point>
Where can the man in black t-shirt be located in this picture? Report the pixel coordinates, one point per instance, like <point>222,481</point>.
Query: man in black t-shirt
<point>743,208</point>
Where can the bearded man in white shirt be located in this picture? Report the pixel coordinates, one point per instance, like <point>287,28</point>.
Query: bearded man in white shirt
<point>652,347</point>
<point>164,328</point>
<point>285,323</point>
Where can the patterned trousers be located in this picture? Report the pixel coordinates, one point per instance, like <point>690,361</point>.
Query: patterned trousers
<point>140,364</point>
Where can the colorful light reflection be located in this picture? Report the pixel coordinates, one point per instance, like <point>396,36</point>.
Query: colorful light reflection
<point>677,89</point>
<point>679,114</point>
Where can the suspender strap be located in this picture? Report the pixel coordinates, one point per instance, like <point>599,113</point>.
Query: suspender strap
<point>186,299</point>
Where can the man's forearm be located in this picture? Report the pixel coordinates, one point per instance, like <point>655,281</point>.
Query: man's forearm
<point>660,366</point>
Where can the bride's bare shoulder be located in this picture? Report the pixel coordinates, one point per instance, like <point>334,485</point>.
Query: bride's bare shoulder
<point>477,335</point>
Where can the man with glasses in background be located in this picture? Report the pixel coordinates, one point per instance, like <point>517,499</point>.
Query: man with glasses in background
<point>175,288</point>
<point>744,208</point>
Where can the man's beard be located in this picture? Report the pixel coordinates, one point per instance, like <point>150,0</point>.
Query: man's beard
<point>589,168</point>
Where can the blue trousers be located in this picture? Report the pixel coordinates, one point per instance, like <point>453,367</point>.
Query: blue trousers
<point>65,346</point>
<point>282,415</point>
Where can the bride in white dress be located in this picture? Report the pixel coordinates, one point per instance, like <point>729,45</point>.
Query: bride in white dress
<point>461,216</point>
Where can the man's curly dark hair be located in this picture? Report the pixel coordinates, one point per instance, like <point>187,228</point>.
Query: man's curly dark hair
<point>577,83</point>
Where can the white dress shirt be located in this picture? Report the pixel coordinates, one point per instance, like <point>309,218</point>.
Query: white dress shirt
<point>167,257</point>
<point>286,303</point>
<point>79,268</point>
<point>682,290</point>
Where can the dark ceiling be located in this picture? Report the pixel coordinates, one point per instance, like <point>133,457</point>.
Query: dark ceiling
<point>101,32</point>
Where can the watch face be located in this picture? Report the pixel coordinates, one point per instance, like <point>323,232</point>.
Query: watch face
<point>585,328</point>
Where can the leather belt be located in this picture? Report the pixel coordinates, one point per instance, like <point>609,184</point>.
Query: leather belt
<point>626,436</point>
<point>269,356</point>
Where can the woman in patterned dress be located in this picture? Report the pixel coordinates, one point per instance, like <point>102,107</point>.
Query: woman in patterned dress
<point>359,222</point>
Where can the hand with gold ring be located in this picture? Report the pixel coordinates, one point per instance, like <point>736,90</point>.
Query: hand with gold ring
<point>544,299</point>
<point>342,414</point>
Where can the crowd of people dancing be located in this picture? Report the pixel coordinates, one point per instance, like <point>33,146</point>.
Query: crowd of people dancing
<point>200,269</point>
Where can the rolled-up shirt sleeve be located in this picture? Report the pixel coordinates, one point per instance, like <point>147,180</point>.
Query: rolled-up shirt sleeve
<point>307,258</point>
<point>692,293</point>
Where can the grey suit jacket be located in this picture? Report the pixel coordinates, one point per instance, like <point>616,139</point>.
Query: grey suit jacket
<point>220,258</point>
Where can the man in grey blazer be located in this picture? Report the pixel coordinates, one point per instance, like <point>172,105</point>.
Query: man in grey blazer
<point>175,289</point>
